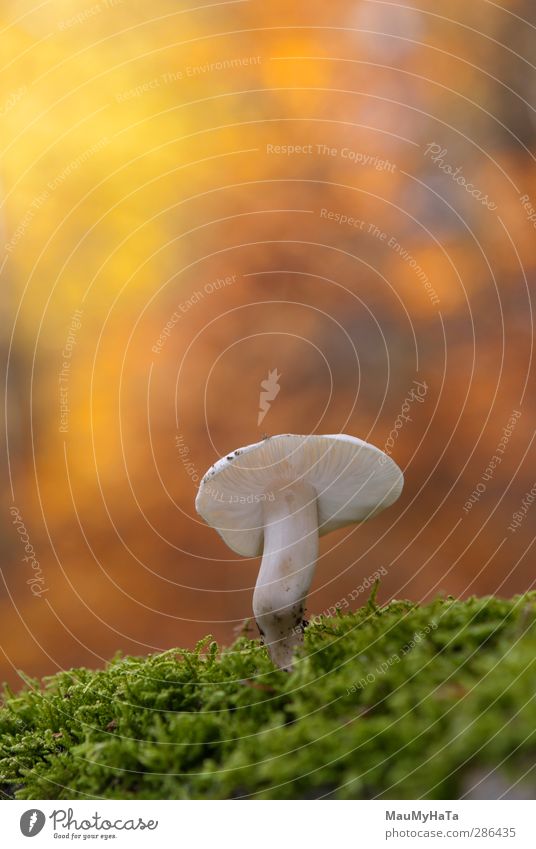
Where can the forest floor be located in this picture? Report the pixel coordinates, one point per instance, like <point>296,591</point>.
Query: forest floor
<point>431,701</point>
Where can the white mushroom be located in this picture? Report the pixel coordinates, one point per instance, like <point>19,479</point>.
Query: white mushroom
<point>275,498</point>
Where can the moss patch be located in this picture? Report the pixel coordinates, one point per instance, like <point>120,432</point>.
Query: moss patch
<point>403,701</point>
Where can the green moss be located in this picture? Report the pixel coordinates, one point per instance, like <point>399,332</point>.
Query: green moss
<point>404,701</point>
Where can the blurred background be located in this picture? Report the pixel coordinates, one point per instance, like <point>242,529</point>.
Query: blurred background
<point>192,198</point>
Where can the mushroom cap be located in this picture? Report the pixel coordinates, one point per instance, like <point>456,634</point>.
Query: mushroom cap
<point>353,481</point>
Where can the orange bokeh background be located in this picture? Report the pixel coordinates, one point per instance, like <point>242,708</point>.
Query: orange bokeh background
<point>149,153</point>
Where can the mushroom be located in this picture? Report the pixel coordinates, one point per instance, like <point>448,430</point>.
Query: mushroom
<point>275,498</point>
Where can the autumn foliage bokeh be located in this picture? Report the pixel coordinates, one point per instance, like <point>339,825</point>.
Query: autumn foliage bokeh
<point>173,190</point>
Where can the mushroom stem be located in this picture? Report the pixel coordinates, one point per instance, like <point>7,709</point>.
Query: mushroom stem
<point>287,569</point>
